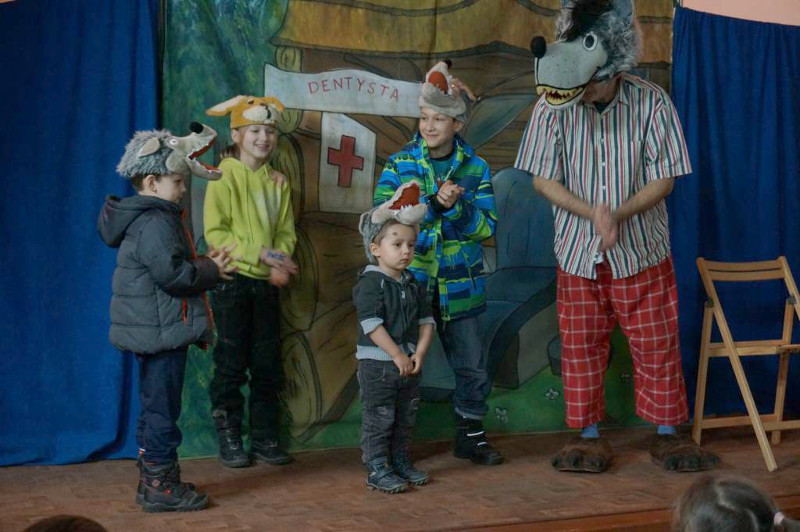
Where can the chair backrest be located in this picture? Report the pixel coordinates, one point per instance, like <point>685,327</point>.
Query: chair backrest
<point>767,270</point>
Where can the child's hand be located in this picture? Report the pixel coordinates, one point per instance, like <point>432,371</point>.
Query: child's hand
<point>403,363</point>
<point>448,193</point>
<point>416,360</point>
<point>277,260</point>
<point>278,277</point>
<point>278,178</point>
<point>222,259</point>
<point>463,87</point>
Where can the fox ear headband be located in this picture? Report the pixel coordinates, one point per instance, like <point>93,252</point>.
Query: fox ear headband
<point>249,110</point>
<point>596,40</point>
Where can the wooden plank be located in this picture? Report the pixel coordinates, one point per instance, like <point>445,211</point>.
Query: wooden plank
<point>740,277</point>
<point>743,266</point>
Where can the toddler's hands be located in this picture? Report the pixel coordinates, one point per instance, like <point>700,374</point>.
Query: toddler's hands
<point>416,361</point>
<point>404,364</point>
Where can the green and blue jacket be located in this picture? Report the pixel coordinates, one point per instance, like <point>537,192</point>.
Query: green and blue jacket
<point>448,255</point>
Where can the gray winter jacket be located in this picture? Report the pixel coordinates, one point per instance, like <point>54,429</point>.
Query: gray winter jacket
<point>157,301</point>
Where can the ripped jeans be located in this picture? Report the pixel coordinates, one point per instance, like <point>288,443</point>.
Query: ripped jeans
<point>389,405</point>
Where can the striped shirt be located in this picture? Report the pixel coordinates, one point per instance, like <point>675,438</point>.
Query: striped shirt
<point>606,158</point>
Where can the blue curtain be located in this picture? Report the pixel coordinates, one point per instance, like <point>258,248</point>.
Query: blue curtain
<point>736,86</point>
<point>78,79</point>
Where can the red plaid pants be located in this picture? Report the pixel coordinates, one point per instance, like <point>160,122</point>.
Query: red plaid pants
<point>646,307</point>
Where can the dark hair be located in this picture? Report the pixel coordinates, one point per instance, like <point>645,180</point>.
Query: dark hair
<point>714,504</point>
<point>137,181</point>
<point>584,14</point>
<point>66,523</point>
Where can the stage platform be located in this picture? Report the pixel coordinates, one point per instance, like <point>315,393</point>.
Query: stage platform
<point>324,490</point>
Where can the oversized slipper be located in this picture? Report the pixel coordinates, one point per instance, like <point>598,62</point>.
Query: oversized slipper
<point>584,455</point>
<point>681,454</point>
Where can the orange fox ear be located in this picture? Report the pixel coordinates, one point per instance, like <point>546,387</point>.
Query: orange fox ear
<point>223,108</point>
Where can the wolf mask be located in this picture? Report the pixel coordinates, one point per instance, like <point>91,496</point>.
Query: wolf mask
<point>161,153</point>
<point>403,207</point>
<point>595,40</point>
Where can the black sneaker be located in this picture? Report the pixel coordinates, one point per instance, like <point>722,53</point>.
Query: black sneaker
<point>471,443</point>
<point>270,451</point>
<point>382,477</point>
<point>164,491</point>
<point>405,468</point>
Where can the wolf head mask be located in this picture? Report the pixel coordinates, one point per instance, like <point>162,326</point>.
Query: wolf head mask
<point>595,40</point>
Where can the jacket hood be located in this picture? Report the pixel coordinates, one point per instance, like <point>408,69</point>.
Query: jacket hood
<point>118,214</point>
<point>376,270</point>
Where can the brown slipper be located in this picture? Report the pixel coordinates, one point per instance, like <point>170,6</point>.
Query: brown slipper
<point>584,455</point>
<point>681,454</point>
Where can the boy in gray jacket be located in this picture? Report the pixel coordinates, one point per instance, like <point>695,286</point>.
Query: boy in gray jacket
<point>158,305</point>
<point>395,332</point>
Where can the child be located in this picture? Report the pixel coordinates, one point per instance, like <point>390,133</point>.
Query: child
<point>457,188</point>
<point>158,307</point>
<point>250,210</point>
<point>712,504</point>
<point>396,329</point>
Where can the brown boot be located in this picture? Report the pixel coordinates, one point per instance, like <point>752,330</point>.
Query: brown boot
<point>584,455</point>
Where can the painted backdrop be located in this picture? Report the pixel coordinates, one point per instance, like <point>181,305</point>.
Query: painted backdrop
<point>348,72</point>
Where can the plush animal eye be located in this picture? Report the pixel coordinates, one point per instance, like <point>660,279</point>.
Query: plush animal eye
<point>590,41</point>
<point>172,141</point>
<point>250,101</point>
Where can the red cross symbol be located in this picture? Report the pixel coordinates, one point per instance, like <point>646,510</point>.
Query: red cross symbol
<point>346,159</point>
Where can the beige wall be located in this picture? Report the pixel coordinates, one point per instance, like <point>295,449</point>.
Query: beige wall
<point>780,11</point>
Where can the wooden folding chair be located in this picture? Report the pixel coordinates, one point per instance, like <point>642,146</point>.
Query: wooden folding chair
<point>774,422</point>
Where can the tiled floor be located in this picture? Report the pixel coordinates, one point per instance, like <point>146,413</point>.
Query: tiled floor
<point>325,490</point>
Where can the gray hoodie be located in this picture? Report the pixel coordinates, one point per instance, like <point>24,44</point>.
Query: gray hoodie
<point>157,301</point>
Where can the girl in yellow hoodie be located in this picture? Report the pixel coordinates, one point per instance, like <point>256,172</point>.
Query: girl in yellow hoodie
<point>249,210</point>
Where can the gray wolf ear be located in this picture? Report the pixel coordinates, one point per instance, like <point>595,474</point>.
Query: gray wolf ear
<point>150,147</point>
<point>363,221</point>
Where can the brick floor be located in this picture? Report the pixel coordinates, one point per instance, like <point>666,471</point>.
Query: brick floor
<point>324,491</point>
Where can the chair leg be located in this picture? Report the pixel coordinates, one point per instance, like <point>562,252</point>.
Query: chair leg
<point>780,394</point>
<point>702,377</point>
<point>752,411</point>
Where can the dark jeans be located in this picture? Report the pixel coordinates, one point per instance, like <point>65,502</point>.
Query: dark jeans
<point>246,312</point>
<point>160,387</point>
<point>389,405</point>
<point>464,351</point>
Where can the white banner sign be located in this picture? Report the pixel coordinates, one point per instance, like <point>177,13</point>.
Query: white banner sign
<point>346,165</point>
<point>344,91</point>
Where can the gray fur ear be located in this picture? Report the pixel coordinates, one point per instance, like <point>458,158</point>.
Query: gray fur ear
<point>363,222</point>
<point>150,147</point>
<point>623,9</point>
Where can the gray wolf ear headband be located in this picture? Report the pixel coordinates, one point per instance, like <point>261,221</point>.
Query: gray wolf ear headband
<point>440,93</point>
<point>159,152</point>
<point>403,206</point>
<point>595,40</point>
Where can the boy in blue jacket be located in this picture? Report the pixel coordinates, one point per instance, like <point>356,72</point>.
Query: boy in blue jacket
<point>457,188</point>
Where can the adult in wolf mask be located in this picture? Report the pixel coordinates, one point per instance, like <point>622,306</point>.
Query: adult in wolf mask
<point>604,147</point>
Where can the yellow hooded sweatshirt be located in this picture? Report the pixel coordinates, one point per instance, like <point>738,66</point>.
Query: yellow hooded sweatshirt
<point>247,208</point>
